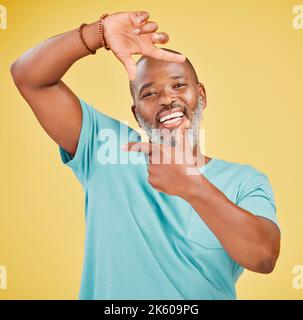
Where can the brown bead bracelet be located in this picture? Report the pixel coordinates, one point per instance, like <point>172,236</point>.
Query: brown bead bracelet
<point>82,39</point>
<point>100,31</point>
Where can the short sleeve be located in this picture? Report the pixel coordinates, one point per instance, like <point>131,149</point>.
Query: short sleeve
<point>256,194</point>
<point>81,162</point>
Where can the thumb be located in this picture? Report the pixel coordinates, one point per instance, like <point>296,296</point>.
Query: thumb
<point>188,144</point>
<point>182,139</point>
<point>183,146</point>
<point>129,64</point>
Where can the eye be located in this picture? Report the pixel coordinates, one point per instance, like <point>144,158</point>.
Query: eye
<point>148,94</point>
<point>180,84</point>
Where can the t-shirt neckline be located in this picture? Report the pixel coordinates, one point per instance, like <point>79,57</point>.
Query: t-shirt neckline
<point>207,165</point>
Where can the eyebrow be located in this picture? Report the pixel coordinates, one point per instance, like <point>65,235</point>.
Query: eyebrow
<point>148,84</point>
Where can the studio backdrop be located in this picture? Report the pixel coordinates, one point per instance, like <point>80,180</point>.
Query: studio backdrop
<point>249,56</point>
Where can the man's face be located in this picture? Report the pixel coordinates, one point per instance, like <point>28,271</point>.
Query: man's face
<point>166,96</point>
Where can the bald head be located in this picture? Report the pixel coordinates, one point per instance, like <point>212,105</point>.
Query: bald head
<point>146,64</point>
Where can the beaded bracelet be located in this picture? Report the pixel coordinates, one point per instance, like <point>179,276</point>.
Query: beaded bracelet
<point>82,39</point>
<point>101,31</point>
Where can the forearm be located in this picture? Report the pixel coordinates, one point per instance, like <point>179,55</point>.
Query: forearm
<point>246,237</point>
<point>47,63</point>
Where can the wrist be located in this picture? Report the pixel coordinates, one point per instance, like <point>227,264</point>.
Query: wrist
<point>91,36</point>
<point>197,189</point>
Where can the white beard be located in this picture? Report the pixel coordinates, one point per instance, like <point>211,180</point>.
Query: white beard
<point>156,136</point>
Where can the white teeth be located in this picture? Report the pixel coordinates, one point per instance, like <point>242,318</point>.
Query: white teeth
<point>172,120</point>
<point>171,115</point>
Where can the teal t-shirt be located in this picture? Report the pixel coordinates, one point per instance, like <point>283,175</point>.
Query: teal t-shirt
<point>143,244</point>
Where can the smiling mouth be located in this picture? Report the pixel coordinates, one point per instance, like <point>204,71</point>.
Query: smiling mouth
<point>172,120</point>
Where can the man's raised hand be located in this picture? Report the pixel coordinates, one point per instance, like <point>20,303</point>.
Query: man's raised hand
<point>129,33</point>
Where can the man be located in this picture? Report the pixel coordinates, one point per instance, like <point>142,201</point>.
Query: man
<point>158,229</point>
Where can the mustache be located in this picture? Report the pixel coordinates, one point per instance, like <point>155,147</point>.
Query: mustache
<point>182,107</point>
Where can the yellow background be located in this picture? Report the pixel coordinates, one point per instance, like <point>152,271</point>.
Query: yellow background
<point>250,59</point>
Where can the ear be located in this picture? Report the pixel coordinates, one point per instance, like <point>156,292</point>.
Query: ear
<point>133,107</point>
<point>202,94</point>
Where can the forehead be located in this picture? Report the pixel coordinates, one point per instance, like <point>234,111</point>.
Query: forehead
<point>152,70</point>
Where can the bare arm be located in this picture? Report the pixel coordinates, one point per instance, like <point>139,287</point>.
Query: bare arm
<point>38,72</point>
<point>252,241</point>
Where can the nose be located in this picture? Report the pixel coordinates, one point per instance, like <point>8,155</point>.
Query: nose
<point>166,99</point>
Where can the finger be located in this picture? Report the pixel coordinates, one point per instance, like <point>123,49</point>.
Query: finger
<point>139,17</point>
<point>148,27</point>
<point>167,136</point>
<point>138,147</point>
<point>160,37</point>
<point>183,145</point>
<point>129,65</point>
<point>161,54</point>
<point>188,147</point>
<point>182,138</point>
<point>179,136</point>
